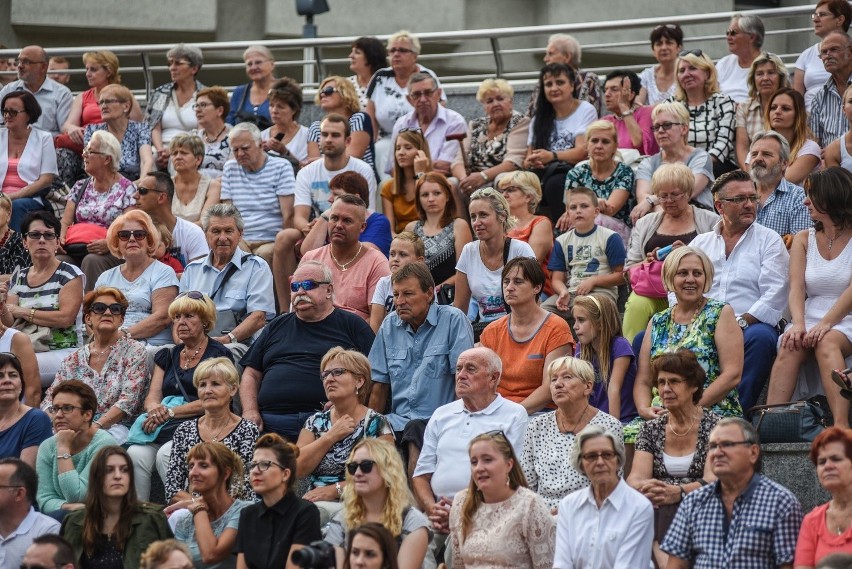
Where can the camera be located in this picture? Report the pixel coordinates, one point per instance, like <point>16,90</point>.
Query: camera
<point>318,555</point>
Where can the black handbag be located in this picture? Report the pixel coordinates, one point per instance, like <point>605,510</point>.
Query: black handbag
<point>260,121</point>
<point>796,422</point>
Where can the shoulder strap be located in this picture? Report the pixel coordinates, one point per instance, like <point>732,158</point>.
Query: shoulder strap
<point>507,244</point>
<point>243,98</point>
<point>228,274</point>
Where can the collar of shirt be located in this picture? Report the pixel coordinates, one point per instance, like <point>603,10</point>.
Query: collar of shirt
<point>236,260</point>
<point>25,526</point>
<point>490,410</point>
<point>747,493</point>
<point>431,319</point>
<point>282,507</point>
<point>616,498</point>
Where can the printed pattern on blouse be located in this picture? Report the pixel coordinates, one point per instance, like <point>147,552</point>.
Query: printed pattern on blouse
<point>13,255</point>
<point>137,135</point>
<point>486,152</point>
<point>621,179</point>
<point>440,251</point>
<point>652,439</point>
<point>101,208</point>
<point>711,125</point>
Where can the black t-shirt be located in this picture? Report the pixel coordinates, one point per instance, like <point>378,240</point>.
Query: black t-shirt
<point>266,534</point>
<point>288,354</point>
<point>168,359</point>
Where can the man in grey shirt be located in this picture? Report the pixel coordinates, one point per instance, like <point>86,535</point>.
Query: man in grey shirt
<point>53,98</point>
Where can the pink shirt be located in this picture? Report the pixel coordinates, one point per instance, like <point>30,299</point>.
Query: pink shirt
<point>12,182</point>
<point>817,541</point>
<point>643,117</point>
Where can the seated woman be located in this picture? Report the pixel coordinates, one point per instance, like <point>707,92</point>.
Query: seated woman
<point>498,141</point>
<point>766,75</point>
<point>93,204</point>
<point>368,55</point>
<point>337,95</point>
<point>166,554</point>
<point>497,521</point>
<point>677,222</point>
<point>611,181</point>
<point>631,119</point>
<point>787,116</point>
<point>151,286</point>
<point>250,101</point>
<point>286,137</point>
<point>44,301</point>
<point>27,157</point>
<point>697,323</point>
<point>211,108</point>
<point>370,545</point>
<point>557,134</point>
<point>826,529</point>
<point>820,300</point>
<point>670,459</point>
<point>522,191</point>
<point>209,528</point>
<point>809,74</point>
<point>114,528</point>
<point>24,427</point>
<point>658,81</point>
<point>411,159</point>
<point>376,491</point>
<point>528,339</point>
<point>550,436</point>
<point>111,363</point>
<point>170,109</point>
<point>116,102</point>
<point>283,523</point>
<point>837,153</point>
<point>217,382</point>
<point>443,234</point>
<point>327,438</point>
<point>195,191</point>
<point>13,255</point>
<point>172,398</point>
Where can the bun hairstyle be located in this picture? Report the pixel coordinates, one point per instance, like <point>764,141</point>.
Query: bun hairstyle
<point>286,453</point>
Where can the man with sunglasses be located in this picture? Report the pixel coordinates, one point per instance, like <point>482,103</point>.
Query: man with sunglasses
<point>19,522</point>
<point>750,265</point>
<point>54,98</point>
<point>434,120</point>
<point>826,119</point>
<point>743,520</point>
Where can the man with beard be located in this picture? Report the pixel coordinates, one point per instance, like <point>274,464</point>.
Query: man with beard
<point>281,384</point>
<point>826,119</point>
<point>782,204</point>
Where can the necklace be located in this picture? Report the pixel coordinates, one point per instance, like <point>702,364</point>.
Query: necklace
<point>343,266</point>
<point>184,354</point>
<point>215,438</point>
<point>106,350</point>
<point>675,433</point>
<point>215,138</point>
<point>831,239</point>
<point>573,428</point>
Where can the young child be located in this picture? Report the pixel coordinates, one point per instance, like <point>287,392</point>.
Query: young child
<point>162,253</point>
<point>586,259</point>
<point>597,326</point>
<point>405,248</point>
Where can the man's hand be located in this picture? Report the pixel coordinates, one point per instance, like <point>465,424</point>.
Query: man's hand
<point>253,415</point>
<point>439,514</point>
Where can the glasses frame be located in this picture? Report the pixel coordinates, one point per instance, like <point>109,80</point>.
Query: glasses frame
<point>263,465</point>
<point>365,465</point>
<point>54,409</point>
<point>11,112</point>
<point>137,234</point>
<point>306,285</point>
<point>38,235</point>
<point>102,307</point>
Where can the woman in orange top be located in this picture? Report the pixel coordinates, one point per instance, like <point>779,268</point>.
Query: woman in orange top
<point>399,194</point>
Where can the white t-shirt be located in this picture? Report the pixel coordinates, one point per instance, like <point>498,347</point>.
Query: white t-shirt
<point>383,295</point>
<point>733,79</point>
<point>815,73</point>
<point>312,183</point>
<point>189,242</point>
<point>567,130</point>
<point>172,126</point>
<point>298,147</point>
<point>486,286</point>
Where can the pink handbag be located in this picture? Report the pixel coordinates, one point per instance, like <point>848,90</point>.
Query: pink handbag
<point>646,279</point>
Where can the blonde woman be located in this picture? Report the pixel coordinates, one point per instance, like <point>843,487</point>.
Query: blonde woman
<point>766,75</point>
<point>338,95</point>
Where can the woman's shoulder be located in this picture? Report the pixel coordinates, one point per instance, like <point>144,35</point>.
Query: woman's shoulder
<point>541,423</point>
<point>606,420</point>
<point>68,271</point>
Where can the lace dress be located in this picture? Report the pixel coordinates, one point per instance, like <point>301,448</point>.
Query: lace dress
<point>440,251</point>
<point>825,281</point>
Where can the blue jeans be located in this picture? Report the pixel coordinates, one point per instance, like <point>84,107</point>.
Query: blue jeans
<point>760,342</point>
<point>288,425</point>
<point>21,207</point>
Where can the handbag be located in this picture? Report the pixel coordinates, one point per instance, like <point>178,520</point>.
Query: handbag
<point>260,121</point>
<point>40,336</point>
<point>85,233</point>
<point>797,422</point>
<point>646,279</point>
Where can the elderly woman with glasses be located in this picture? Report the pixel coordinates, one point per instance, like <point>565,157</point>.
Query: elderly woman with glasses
<point>767,75</point>
<point>286,137</point>
<point>151,286</point>
<point>249,102</point>
<point>337,95</point>
<point>170,109</point>
<point>810,75</point>
<point>111,363</point>
<point>172,398</point>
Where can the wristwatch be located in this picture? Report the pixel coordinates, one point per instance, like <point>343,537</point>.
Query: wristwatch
<point>65,456</point>
<point>743,323</point>
<point>682,493</point>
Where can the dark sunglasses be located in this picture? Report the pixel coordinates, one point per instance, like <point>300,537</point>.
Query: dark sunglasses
<point>366,466</point>
<point>193,294</point>
<point>307,285</point>
<point>695,52</point>
<point>144,191</point>
<point>138,234</point>
<point>46,235</point>
<point>327,92</point>
<point>101,308</point>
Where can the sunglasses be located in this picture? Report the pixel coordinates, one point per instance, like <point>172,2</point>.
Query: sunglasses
<point>420,94</point>
<point>594,456</point>
<point>143,191</point>
<point>193,294</point>
<point>306,285</point>
<point>366,466</point>
<point>137,234</point>
<point>46,235</point>
<point>695,52</point>
<point>411,129</point>
<point>101,308</point>
<point>11,112</point>
<point>328,92</point>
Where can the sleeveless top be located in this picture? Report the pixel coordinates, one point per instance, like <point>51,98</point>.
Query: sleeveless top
<point>845,159</point>
<point>825,281</point>
<point>91,109</point>
<point>192,210</point>
<point>6,339</point>
<point>440,251</point>
<point>524,235</point>
<point>13,182</point>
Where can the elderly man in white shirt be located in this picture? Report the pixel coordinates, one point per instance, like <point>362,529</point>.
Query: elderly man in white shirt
<point>750,265</point>
<point>607,525</point>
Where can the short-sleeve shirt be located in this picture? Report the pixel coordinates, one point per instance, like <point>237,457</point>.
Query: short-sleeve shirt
<point>29,431</point>
<point>101,208</point>
<point>185,533</point>
<point>137,135</point>
<point>358,122</point>
<point>168,360</point>
<point>581,256</point>
<point>699,162</point>
<point>267,533</point>
<point>256,195</point>
<point>298,145</point>
<point>599,398</point>
<point>566,130</point>
<point>45,296</point>
<point>404,211</point>
<point>312,183</point>
<point>814,72</point>
<point>621,179</point>
<point>189,242</point>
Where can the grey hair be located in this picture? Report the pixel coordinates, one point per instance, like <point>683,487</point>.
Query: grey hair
<point>751,25</point>
<point>190,52</point>
<point>593,432</point>
<point>326,272</point>
<point>750,435</point>
<point>261,49</point>
<point>222,210</point>
<point>492,360</point>
<point>498,203</point>
<point>405,35</point>
<point>423,76</point>
<point>785,146</point>
<point>570,46</point>
<point>109,145</point>
<point>242,127</point>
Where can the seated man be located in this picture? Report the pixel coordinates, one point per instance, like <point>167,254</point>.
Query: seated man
<point>443,468</point>
<point>281,384</point>
<point>63,460</point>
<point>19,522</point>
<point>54,98</point>
<point>240,284</point>
<point>261,186</point>
<point>50,551</point>
<point>826,117</point>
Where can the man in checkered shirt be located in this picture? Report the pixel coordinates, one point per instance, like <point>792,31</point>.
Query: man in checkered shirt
<point>742,520</point>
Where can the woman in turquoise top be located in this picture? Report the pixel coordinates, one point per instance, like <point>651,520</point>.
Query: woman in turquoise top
<point>705,326</point>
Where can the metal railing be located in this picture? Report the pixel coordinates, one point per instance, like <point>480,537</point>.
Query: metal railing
<point>495,38</point>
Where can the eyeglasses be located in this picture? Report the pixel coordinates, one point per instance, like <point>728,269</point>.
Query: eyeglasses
<point>733,33</point>
<point>11,112</point>
<point>420,94</point>
<point>193,294</point>
<point>144,191</point>
<point>86,152</point>
<point>201,105</point>
<point>25,61</point>
<point>510,189</point>
<point>594,456</point>
<point>263,465</point>
<point>104,102</point>
<point>137,234</point>
<point>741,200</point>
<point>664,125</point>
<point>177,62</point>
<point>402,50</point>
<point>674,196</point>
<point>306,284</point>
<point>725,445</point>
<point>670,382</point>
<point>66,409</point>
<point>46,235</point>
<point>327,92</point>
<point>820,15</point>
<point>695,52</point>
<point>336,372</point>
<point>102,307</point>
<point>366,466</point>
